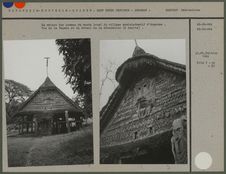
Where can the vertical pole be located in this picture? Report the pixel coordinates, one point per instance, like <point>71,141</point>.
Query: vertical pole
<point>67,122</point>
<point>57,126</point>
<point>136,42</point>
<point>27,125</point>
<point>32,124</point>
<point>22,127</point>
<point>51,125</point>
<point>19,126</point>
<point>32,127</point>
<point>36,125</point>
<point>47,59</point>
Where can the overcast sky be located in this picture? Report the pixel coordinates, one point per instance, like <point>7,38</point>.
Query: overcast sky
<point>24,62</point>
<point>117,51</point>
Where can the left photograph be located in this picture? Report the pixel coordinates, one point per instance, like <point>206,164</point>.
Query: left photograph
<point>48,102</point>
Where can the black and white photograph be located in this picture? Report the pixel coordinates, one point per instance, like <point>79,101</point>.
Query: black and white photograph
<point>48,102</point>
<point>143,106</point>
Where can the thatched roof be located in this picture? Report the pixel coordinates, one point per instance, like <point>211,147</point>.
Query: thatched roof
<point>34,104</point>
<point>139,64</point>
<point>141,61</point>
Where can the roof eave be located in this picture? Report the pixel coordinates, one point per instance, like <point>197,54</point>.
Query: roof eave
<point>152,61</point>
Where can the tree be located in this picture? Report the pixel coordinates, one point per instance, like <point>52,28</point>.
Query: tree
<point>108,75</point>
<point>15,94</point>
<point>79,100</point>
<point>77,67</point>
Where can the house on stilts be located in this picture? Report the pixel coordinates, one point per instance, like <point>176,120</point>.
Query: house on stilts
<point>49,111</point>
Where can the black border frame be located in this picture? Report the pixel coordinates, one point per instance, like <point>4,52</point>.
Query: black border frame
<point>87,1</point>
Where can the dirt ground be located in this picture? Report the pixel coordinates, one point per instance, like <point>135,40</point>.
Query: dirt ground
<point>64,149</point>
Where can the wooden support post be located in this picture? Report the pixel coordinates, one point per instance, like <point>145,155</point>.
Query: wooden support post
<point>22,127</point>
<point>51,125</point>
<point>27,126</point>
<point>120,161</point>
<point>57,127</point>
<point>35,125</point>
<point>19,126</point>
<point>67,122</point>
<point>31,127</point>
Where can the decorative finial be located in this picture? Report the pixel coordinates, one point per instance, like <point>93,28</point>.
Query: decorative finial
<point>138,50</point>
<point>47,59</point>
<point>136,42</point>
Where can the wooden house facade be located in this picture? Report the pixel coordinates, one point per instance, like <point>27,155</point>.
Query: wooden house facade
<point>144,120</point>
<point>49,111</point>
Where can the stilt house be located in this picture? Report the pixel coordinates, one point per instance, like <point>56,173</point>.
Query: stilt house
<point>49,111</point>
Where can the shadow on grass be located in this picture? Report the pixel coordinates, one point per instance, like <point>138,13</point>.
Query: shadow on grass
<point>64,149</point>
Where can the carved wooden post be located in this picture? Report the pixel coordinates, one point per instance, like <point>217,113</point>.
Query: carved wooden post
<point>27,126</point>
<point>31,127</point>
<point>67,122</point>
<point>179,140</point>
<point>36,125</point>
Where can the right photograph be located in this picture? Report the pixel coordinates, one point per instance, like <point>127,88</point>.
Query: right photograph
<point>143,107</point>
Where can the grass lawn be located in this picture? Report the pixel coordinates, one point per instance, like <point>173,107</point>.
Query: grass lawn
<point>64,149</point>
